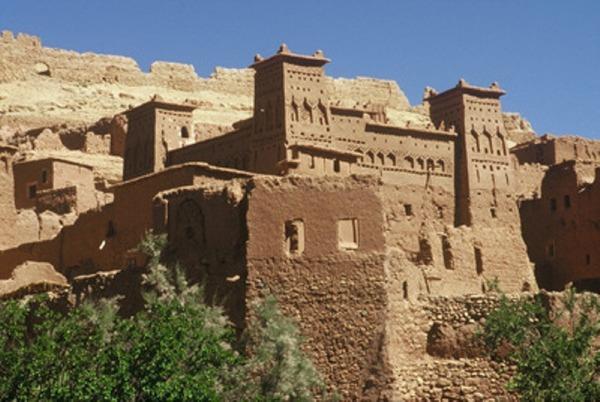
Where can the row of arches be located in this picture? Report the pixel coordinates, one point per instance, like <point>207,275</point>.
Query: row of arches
<point>488,143</point>
<point>409,162</point>
<point>309,112</point>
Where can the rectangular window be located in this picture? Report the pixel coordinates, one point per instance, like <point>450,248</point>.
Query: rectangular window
<point>567,201</point>
<point>348,234</point>
<point>32,191</point>
<point>552,204</point>
<point>44,176</point>
<point>336,166</point>
<point>294,237</point>
<point>408,209</point>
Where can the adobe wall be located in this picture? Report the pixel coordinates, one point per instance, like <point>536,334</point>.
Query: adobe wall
<point>560,227</point>
<point>550,150</point>
<point>432,256</point>
<point>50,174</point>
<point>7,202</point>
<point>207,235</point>
<point>529,180</point>
<point>337,296</point>
<point>82,177</point>
<point>30,173</point>
<point>106,238</point>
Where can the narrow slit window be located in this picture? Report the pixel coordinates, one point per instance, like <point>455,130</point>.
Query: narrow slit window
<point>32,191</point>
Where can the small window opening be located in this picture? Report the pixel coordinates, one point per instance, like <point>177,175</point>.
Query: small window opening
<point>478,261</point>
<point>348,234</point>
<point>526,287</point>
<point>32,191</point>
<point>110,230</point>
<point>336,166</point>
<point>312,162</point>
<point>184,132</point>
<point>44,176</point>
<point>405,290</point>
<point>567,201</point>
<point>493,212</point>
<point>294,237</point>
<point>408,209</point>
<point>588,259</point>
<point>552,204</point>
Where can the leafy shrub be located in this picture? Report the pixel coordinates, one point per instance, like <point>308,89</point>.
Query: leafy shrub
<point>554,355</point>
<point>177,348</point>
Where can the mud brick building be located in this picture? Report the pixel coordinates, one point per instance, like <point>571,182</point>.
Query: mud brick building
<point>353,222</point>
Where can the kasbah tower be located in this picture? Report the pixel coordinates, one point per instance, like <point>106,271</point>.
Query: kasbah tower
<point>382,228</point>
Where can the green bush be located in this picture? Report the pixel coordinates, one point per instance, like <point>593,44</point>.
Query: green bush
<point>554,356</point>
<point>176,349</point>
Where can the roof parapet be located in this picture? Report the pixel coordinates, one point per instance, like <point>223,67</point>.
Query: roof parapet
<point>283,53</point>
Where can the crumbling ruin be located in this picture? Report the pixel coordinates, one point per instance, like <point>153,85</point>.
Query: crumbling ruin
<point>379,227</point>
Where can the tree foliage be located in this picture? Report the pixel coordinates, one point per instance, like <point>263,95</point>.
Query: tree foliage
<point>554,353</point>
<point>177,348</point>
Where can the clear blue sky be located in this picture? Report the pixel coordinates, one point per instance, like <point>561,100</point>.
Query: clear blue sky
<point>545,53</point>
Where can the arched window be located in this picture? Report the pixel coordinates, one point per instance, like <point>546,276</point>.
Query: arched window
<point>380,159</point>
<point>441,165</point>
<point>430,165</point>
<point>391,159</point>
<point>295,112</point>
<point>502,150</point>
<point>488,146</point>
<point>420,164</point>
<point>322,114</point>
<point>409,162</point>
<point>370,157</point>
<point>475,138</point>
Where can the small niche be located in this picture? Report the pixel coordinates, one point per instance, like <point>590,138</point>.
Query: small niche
<point>447,253</point>
<point>408,211</point>
<point>294,237</point>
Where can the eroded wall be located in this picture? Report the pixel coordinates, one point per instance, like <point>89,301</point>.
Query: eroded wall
<point>561,226</point>
<point>337,295</point>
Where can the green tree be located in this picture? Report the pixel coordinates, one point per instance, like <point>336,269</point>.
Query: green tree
<point>176,349</point>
